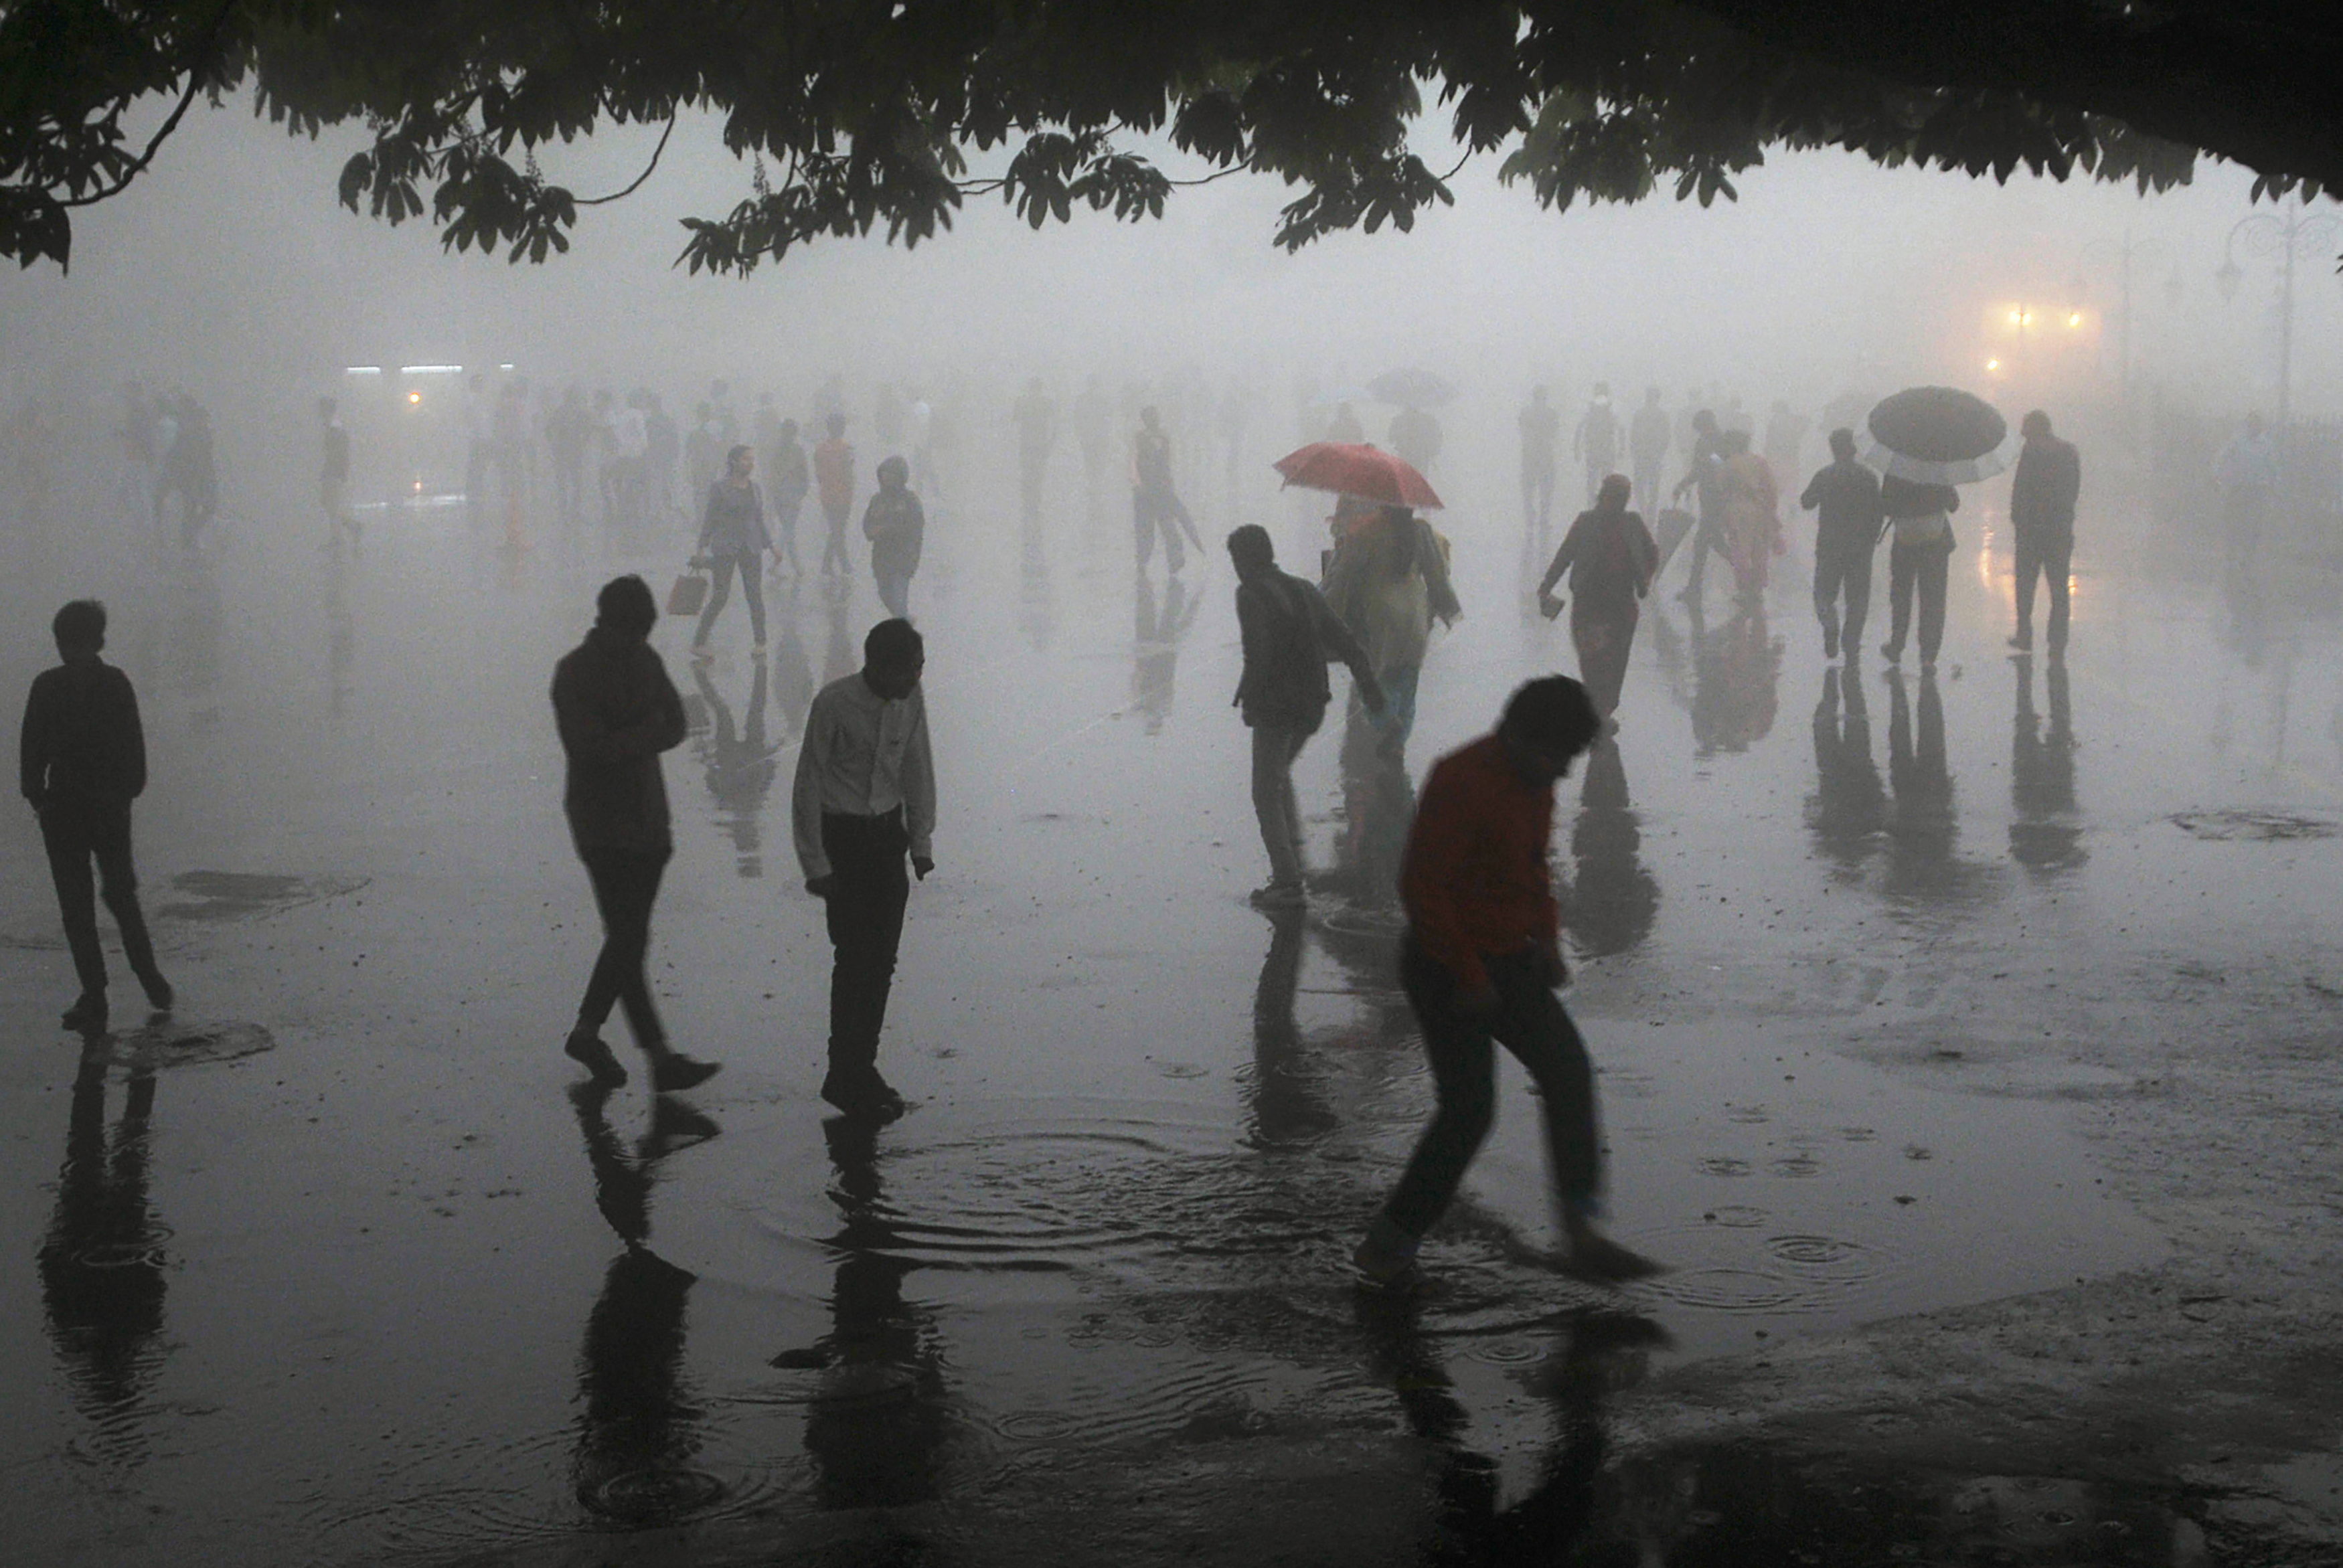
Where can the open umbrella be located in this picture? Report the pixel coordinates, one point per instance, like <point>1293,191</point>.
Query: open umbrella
<point>1412,387</point>
<point>1367,472</point>
<point>1937,435</point>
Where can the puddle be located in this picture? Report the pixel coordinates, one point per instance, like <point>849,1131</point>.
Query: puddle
<point>234,895</point>
<point>2223,827</point>
<point>180,1043</point>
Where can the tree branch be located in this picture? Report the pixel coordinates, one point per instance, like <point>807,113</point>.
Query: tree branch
<point>621,195</point>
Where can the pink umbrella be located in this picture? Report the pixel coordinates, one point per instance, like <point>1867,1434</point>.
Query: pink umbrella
<point>1366,472</point>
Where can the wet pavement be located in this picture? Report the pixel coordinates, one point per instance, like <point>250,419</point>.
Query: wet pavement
<point>1967,1046</point>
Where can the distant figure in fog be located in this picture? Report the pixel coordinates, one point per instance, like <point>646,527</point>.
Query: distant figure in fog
<point>1416,437</point>
<point>1541,426</point>
<point>1155,508</point>
<point>1649,435</point>
<point>1481,961</point>
<point>2042,496</point>
<point>1610,556</point>
<point>1035,414</point>
<point>1918,561</point>
<point>896,526</point>
<point>1287,632</point>
<point>834,474</point>
<point>82,760</point>
<point>1845,495</point>
<point>864,799</point>
<point>2246,473</point>
<point>1389,582</point>
<point>1344,427</point>
<point>617,711</point>
<point>569,430</point>
<point>1750,530</point>
<point>191,470</point>
<point>1703,468</point>
<point>732,538</point>
<point>334,476</point>
<point>1596,442</point>
<point>789,478</point>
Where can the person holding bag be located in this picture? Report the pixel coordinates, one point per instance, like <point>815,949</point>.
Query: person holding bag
<point>731,539</point>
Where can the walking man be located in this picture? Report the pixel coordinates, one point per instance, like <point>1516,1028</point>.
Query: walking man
<point>1154,501</point>
<point>896,526</point>
<point>1845,495</point>
<point>2042,496</point>
<point>833,473</point>
<point>865,797</point>
<point>84,761</point>
<point>1481,963</point>
<point>1287,632</point>
<point>617,711</point>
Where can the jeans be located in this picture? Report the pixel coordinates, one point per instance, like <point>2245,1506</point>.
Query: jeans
<point>1920,566</point>
<point>1531,1023</point>
<point>869,886</point>
<point>753,589</point>
<point>2050,560</point>
<point>1274,748</point>
<point>75,833</point>
<point>895,593</point>
<point>834,548</point>
<point>625,886</point>
<point>1841,570</point>
<point>1398,719</point>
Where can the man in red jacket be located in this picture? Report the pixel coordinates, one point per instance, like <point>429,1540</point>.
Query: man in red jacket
<point>1481,960</point>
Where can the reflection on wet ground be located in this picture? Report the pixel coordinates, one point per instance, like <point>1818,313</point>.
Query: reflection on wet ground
<point>1089,1298</point>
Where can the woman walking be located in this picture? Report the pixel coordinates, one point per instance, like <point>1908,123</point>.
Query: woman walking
<point>1388,582</point>
<point>731,539</point>
<point>1610,557</point>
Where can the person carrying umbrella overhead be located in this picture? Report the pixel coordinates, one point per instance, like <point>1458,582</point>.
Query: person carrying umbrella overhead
<point>1926,439</point>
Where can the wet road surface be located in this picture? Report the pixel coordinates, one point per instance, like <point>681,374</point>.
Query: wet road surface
<point>1938,1016</point>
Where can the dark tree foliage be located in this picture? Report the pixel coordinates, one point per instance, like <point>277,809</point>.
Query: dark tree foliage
<point>861,115</point>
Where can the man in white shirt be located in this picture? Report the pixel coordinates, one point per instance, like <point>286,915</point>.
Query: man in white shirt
<point>865,798</point>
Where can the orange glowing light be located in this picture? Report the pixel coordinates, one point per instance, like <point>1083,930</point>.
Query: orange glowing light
<point>1992,363</point>
<point>2017,318</point>
<point>414,397</point>
<point>2074,318</point>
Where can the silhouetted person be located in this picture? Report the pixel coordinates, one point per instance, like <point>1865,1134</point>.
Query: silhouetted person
<point>1610,557</point>
<point>1035,414</point>
<point>82,760</point>
<point>790,477</point>
<point>1846,497</point>
<point>733,538</point>
<point>1703,467</point>
<point>334,476</point>
<point>1288,634</point>
<point>638,1424</point>
<point>1749,529</point>
<point>1416,437</point>
<point>103,1277</point>
<point>1481,963</point>
<point>1917,561</point>
<point>1650,432</point>
<point>1541,426</point>
<point>617,711</point>
<point>896,526</point>
<point>833,473</point>
<point>1596,442</point>
<point>864,799</point>
<point>1155,508</point>
<point>2246,473</point>
<point>2042,496</point>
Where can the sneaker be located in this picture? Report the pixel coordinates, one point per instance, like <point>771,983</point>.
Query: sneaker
<point>867,1097</point>
<point>673,1072</point>
<point>588,1050</point>
<point>159,994</point>
<point>1279,896</point>
<point>88,1011</point>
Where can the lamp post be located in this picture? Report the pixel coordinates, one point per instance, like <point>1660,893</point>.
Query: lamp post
<point>2283,235</point>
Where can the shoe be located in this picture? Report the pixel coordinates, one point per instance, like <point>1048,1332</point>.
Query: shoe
<point>1604,1261</point>
<point>159,994</point>
<point>672,1072</point>
<point>2022,643</point>
<point>588,1050</point>
<point>1383,1263</point>
<point>1279,896</point>
<point>867,1097</point>
<point>1830,644</point>
<point>88,1011</point>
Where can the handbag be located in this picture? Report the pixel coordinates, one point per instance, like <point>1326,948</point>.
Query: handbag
<point>689,594</point>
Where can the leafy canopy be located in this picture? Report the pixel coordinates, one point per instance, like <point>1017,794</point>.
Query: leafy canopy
<point>857,117</point>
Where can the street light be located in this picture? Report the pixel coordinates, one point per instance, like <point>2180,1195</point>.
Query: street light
<point>2283,235</point>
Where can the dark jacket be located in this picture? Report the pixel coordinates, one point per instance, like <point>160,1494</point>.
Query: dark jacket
<point>81,743</point>
<point>2042,492</point>
<point>1903,498</point>
<point>1847,497</point>
<point>735,521</point>
<point>1289,632</point>
<point>896,526</point>
<point>617,711</point>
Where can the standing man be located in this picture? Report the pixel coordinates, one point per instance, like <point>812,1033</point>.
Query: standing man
<point>1154,500</point>
<point>1481,963</point>
<point>896,526</point>
<point>1649,435</point>
<point>865,797</point>
<point>1287,632</point>
<point>1596,440</point>
<point>1845,497</point>
<point>334,477</point>
<point>617,711</point>
<point>1541,427</point>
<point>2042,496</point>
<point>84,760</point>
<point>833,473</point>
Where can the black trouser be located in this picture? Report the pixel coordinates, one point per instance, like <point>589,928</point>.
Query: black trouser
<point>75,833</point>
<point>2049,559</point>
<point>1843,569</point>
<point>1531,1023</point>
<point>1920,566</point>
<point>625,886</point>
<point>869,887</point>
<point>750,566</point>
